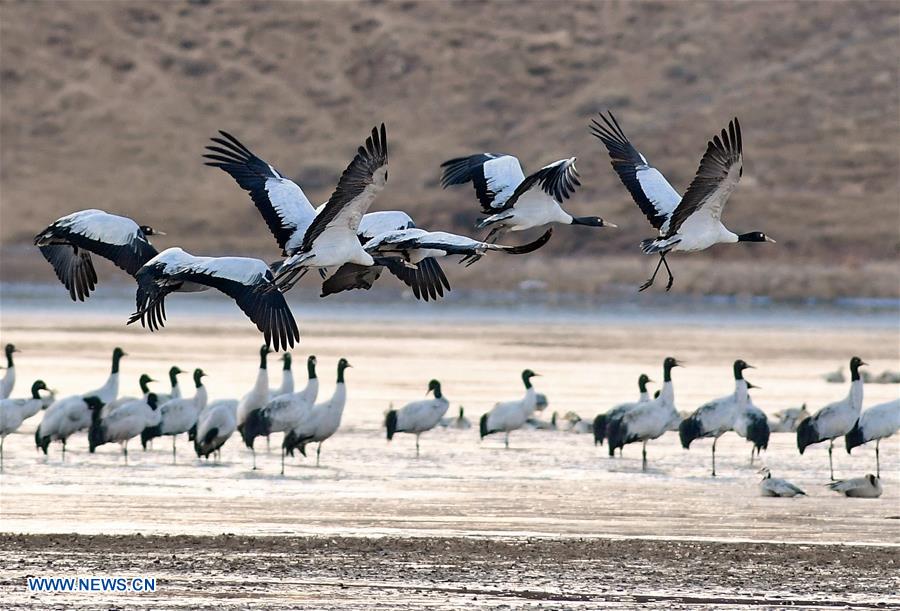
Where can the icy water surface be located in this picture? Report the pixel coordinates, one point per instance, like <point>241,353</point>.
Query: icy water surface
<point>547,484</point>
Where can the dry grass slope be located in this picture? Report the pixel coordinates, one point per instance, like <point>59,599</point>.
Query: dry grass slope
<point>110,104</point>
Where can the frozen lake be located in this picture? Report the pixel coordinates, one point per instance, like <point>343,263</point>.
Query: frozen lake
<point>548,484</point>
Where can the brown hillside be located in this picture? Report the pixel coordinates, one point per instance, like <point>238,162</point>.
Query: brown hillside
<point>109,104</point>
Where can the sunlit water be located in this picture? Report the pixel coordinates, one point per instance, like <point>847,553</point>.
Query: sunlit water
<point>548,483</point>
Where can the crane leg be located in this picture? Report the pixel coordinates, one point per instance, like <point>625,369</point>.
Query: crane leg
<point>173,448</point>
<point>506,441</point>
<point>752,448</point>
<point>2,439</point>
<point>668,271</point>
<point>644,457</point>
<point>877,459</point>
<point>64,451</point>
<point>417,445</point>
<point>125,452</point>
<point>282,460</point>
<point>830,464</point>
<point>253,450</point>
<point>318,453</point>
<point>268,445</point>
<point>649,282</point>
<point>714,456</point>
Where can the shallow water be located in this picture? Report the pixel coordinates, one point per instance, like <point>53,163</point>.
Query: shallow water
<point>547,484</point>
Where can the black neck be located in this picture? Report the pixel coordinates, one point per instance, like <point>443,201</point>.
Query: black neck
<point>145,388</point>
<point>642,385</point>
<point>854,372</point>
<point>115,362</point>
<point>437,391</point>
<point>173,379</point>
<point>35,390</point>
<point>527,381</point>
<point>667,373</point>
<point>311,369</point>
<point>9,359</point>
<point>738,372</point>
<point>262,360</point>
<point>340,378</point>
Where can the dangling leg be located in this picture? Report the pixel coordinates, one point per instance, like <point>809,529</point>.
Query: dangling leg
<point>318,453</point>
<point>877,459</point>
<point>714,456</point>
<point>417,445</point>
<point>506,441</point>
<point>830,464</point>
<point>649,282</point>
<point>644,457</point>
<point>668,271</point>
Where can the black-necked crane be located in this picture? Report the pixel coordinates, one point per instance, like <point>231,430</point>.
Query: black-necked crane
<point>509,416</point>
<point>128,421</point>
<point>8,381</point>
<point>13,412</point>
<point>601,420</point>
<point>68,242</point>
<point>418,417</point>
<point>72,414</point>
<point>513,201</point>
<point>249,282</point>
<point>776,486</point>
<point>215,424</point>
<point>835,419</point>
<point>319,423</point>
<point>717,417</point>
<point>178,416</point>
<point>648,420</point>
<point>685,224</point>
<point>876,423</point>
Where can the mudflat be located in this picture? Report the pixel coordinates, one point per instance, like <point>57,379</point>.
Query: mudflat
<point>228,571</point>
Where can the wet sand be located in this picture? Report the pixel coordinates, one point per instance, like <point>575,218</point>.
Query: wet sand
<point>230,571</point>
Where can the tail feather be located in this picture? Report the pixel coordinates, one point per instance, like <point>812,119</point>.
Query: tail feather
<point>688,431</point>
<point>656,245</point>
<point>616,434</point>
<point>758,432</point>
<point>854,438</point>
<point>390,423</point>
<point>483,426</point>
<point>150,432</point>
<point>806,434</point>
<point>599,427</point>
<point>256,425</point>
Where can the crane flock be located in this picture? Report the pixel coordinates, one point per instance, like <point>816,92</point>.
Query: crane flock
<point>304,418</point>
<point>350,247</point>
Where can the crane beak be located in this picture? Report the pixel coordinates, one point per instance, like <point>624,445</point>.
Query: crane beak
<point>156,232</point>
<point>768,239</point>
<point>608,224</point>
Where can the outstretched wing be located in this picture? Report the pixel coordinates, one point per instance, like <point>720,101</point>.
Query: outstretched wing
<point>281,201</point>
<point>360,183</point>
<point>648,187</point>
<point>719,173</point>
<point>427,281</point>
<point>495,177</point>
<point>558,180</point>
<point>251,284</point>
<point>73,267</point>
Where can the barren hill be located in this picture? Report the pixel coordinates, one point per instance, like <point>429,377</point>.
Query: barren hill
<point>109,104</point>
